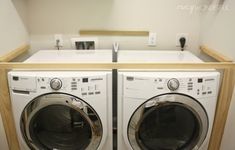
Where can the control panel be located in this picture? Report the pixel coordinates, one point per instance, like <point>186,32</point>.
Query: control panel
<point>87,86</point>
<point>83,86</point>
<point>195,86</point>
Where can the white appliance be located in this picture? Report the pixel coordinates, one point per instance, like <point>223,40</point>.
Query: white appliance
<point>165,109</point>
<point>71,56</point>
<point>63,109</point>
<point>157,56</point>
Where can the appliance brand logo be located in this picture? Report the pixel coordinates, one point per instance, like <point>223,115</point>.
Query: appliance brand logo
<point>24,78</point>
<point>209,79</point>
<point>129,78</point>
<point>16,78</point>
<point>96,79</point>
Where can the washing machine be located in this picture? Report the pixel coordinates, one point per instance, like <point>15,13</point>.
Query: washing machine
<point>63,110</point>
<point>165,109</point>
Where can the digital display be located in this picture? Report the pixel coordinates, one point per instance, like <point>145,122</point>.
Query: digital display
<point>85,80</point>
<point>15,78</point>
<point>200,80</point>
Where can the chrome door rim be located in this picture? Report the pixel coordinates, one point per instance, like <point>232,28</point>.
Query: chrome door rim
<point>167,99</point>
<point>59,99</point>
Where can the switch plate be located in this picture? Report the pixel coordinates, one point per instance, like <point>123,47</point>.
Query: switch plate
<point>152,41</point>
<point>60,38</point>
<point>180,35</point>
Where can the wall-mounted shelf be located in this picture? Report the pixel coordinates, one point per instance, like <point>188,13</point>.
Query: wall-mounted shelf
<point>216,55</point>
<point>113,33</point>
<point>14,53</point>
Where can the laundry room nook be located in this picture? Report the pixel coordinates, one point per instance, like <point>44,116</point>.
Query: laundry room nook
<point>117,75</point>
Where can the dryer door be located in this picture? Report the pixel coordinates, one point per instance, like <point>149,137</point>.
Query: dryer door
<point>60,121</point>
<point>169,121</point>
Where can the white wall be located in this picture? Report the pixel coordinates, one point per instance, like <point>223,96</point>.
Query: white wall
<point>165,17</point>
<point>218,30</point>
<point>13,32</point>
<point>22,10</point>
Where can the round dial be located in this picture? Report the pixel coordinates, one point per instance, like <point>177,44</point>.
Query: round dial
<point>173,84</point>
<point>56,84</point>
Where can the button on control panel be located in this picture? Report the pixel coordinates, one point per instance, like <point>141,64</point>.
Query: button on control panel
<point>190,84</point>
<point>87,86</point>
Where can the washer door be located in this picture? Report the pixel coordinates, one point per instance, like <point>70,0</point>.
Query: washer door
<point>169,122</point>
<point>60,121</point>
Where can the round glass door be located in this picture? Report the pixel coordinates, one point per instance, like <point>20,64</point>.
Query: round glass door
<point>168,122</point>
<point>60,121</point>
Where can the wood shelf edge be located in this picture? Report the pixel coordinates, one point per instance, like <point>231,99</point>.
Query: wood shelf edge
<point>14,53</point>
<point>113,33</point>
<point>215,54</point>
<point>101,66</point>
<point>222,109</point>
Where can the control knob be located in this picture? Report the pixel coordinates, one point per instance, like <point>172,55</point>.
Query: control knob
<point>56,84</point>
<point>173,84</point>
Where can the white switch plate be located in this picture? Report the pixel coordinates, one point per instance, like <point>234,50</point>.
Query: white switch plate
<point>152,41</point>
<point>60,38</point>
<point>180,35</point>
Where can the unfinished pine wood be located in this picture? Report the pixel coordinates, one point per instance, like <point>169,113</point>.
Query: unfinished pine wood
<point>15,53</point>
<point>222,104</point>
<point>6,112</point>
<point>215,54</point>
<point>113,33</point>
<point>222,109</point>
<point>102,66</point>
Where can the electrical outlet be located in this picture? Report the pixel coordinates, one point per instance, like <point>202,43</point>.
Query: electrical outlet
<point>85,43</point>
<point>180,35</point>
<point>152,41</point>
<point>58,40</point>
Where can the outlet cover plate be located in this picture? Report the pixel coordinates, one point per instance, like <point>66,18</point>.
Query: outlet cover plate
<point>60,38</point>
<point>152,41</point>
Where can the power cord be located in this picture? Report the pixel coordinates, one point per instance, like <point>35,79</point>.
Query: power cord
<point>182,43</point>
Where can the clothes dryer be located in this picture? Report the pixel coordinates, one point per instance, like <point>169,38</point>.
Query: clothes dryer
<point>67,110</point>
<point>165,109</point>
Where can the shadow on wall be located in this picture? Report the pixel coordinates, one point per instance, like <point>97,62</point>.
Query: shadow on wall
<point>220,2</point>
<point>21,8</point>
<point>214,7</point>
